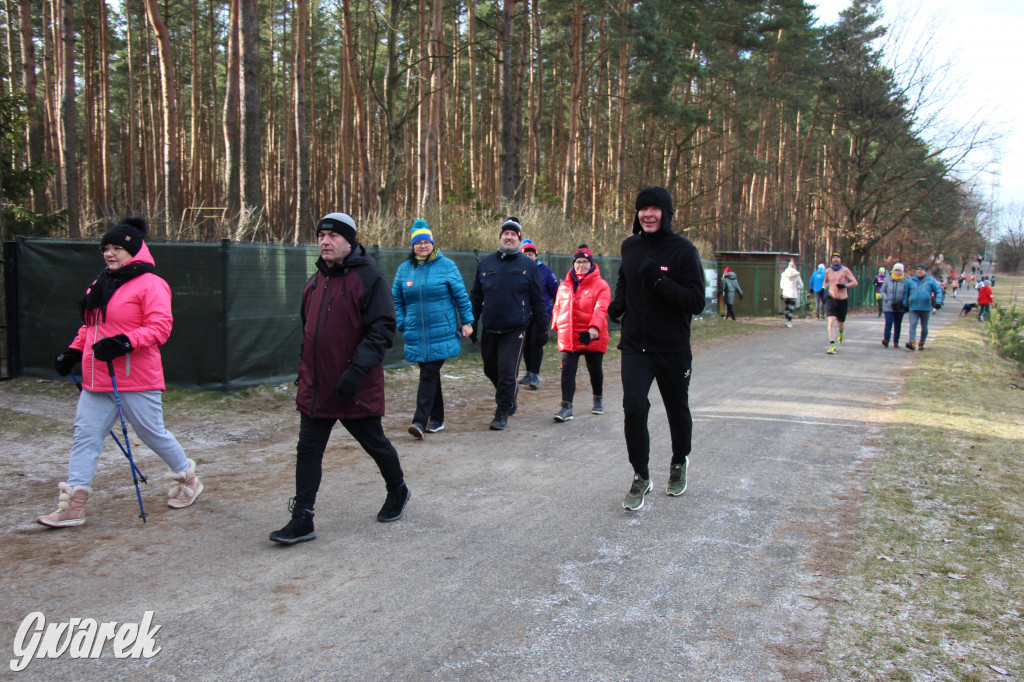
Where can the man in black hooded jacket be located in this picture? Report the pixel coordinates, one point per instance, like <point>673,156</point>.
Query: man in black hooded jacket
<point>660,287</point>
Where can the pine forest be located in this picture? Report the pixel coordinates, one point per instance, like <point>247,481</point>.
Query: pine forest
<point>249,119</point>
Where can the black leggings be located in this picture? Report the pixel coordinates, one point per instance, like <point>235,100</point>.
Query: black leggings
<point>570,363</point>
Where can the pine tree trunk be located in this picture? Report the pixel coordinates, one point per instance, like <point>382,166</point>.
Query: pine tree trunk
<point>251,213</point>
<point>302,218</point>
<point>230,122</point>
<point>172,201</point>
<point>359,133</point>
<point>34,134</point>
<point>69,122</point>
<point>508,152</point>
<point>575,95</point>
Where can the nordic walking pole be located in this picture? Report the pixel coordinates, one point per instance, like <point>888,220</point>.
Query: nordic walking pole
<point>128,447</point>
<point>114,436</point>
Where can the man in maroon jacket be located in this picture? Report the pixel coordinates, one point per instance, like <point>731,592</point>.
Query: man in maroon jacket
<point>348,321</point>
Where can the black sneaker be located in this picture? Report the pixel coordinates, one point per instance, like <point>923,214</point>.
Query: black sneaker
<point>299,529</point>
<point>598,405</point>
<point>564,414</point>
<point>394,505</point>
<point>435,426</point>
<point>416,430</point>
<point>500,421</point>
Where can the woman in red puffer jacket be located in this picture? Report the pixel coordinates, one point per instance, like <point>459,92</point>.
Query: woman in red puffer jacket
<point>580,316</point>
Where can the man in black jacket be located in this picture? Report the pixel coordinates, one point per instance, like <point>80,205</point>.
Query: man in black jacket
<point>506,293</point>
<point>660,288</point>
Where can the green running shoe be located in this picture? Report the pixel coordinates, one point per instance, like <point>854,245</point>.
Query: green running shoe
<point>677,478</point>
<point>635,497</point>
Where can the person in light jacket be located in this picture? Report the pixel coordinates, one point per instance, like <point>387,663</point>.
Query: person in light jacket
<point>126,314</point>
<point>791,284</point>
<point>892,291</point>
<point>433,312</point>
<point>580,318</point>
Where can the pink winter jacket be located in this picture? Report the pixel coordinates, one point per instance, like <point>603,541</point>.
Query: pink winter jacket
<point>141,310</point>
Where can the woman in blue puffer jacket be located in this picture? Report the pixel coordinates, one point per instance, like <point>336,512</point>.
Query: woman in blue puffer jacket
<point>430,300</point>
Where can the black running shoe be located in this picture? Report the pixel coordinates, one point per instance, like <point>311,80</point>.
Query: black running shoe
<point>394,505</point>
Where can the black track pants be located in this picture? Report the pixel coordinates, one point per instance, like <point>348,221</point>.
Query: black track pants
<point>672,372</point>
<point>501,353</point>
<point>313,436</point>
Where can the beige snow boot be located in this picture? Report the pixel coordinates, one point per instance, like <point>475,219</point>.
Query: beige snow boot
<point>185,489</point>
<point>70,507</point>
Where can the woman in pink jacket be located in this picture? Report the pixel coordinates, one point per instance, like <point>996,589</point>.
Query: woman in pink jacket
<point>127,316</point>
<point>580,316</point>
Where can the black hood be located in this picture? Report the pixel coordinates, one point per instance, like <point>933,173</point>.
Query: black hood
<point>661,198</point>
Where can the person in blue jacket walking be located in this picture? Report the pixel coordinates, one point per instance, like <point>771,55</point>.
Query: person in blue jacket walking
<point>817,283</point>
<point>433,313</point>
<point>917,299</point>
<point>536,337</point>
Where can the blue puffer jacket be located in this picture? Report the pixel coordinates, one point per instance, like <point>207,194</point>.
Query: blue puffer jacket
<point>918,294</point>
<point>430,299</point>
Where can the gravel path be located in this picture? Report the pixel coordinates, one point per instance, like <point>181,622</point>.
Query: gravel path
<point>515,559</point>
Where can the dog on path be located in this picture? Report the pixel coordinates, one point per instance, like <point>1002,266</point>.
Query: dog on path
<point>968,307</point>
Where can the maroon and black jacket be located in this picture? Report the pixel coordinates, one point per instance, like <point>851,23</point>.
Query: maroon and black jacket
<point>348,318</point>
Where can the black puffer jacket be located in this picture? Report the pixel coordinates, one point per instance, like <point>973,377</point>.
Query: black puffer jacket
<point>660,286</point>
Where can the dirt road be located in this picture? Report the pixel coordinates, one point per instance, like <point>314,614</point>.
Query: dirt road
<point>514,560</point>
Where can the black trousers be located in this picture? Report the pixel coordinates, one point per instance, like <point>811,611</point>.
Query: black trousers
<point>570,363</point>
<point>501,353</point>
<point>672,372</point>
<point>533,347</point>
<point>429,402</point>
<point>314,433</point>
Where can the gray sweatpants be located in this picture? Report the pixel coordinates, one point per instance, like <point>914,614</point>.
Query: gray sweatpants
<point>97,414</point>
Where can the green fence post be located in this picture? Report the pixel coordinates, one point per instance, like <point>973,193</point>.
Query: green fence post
<point>225,251</point>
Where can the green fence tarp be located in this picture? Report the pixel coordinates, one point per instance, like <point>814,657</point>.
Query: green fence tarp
<point>236,306</point>
<point>762,296</point>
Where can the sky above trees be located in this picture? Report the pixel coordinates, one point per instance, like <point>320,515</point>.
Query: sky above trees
<point>980,41</point>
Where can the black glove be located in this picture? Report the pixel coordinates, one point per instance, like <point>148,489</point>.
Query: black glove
<point>938,305</point>
<point>650,271</point>
<point>111,347</point>
<point>585,338</point>
<point>472,334</point>
<point>349,383</point>
<point>66,361</point>
<point>840,286</point>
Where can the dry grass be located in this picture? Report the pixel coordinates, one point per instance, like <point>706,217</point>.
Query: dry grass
<point>461,228</point>
<point>936,590</point>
